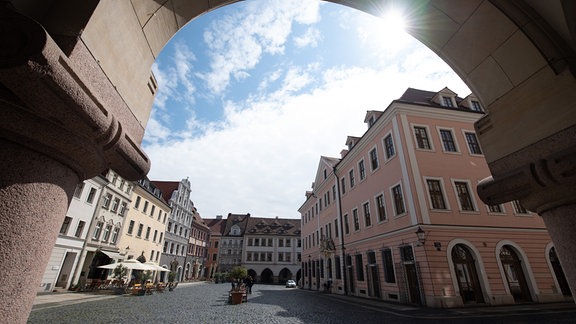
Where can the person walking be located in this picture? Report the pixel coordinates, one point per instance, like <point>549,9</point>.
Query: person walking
<point>249,282</point>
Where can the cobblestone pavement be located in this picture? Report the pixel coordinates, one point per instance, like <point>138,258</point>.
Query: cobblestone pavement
<point>208,303</point>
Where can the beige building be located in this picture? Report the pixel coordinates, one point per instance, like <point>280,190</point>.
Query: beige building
<point>397,217</point>
<point>272,249</point>
<point>143,232</point>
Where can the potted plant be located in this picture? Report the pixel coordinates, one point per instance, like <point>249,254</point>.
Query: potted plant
<point>171,280</point>
<point>237,275</point>
<point>119,275</point>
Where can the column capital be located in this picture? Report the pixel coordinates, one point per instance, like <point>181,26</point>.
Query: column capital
<point>48,106</point>
<point>542,184</point>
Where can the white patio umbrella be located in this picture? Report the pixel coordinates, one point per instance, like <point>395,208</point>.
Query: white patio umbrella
<point>130,265</point>
<point>156,267</point>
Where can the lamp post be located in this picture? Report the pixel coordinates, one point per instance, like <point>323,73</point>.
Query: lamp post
<point>421,236</point>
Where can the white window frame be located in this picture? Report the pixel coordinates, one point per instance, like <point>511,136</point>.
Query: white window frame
<point>442,189</point>
<point>393,200</point>
<point>372,169</point>
<point>466,131</point>
<point>429,135</point>
<point>470,192</point>
<point>454,138</point>
<point>385,151</point>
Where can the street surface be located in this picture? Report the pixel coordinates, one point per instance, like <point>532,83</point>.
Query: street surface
<point>208,303</point>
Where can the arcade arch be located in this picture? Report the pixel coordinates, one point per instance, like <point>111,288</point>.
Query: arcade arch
<point>73,106</point>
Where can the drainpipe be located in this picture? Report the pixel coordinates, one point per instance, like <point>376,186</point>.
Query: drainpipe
<point>341,230</point>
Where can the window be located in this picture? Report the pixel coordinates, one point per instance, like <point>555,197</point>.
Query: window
<point>464,196</point>
<point>78,190</point>
<point>475,105</point>
<point>495,209</point>
<point>447,102</point>
<point>398,200</point>
<point>122,210</point>
<point>325,174</point>
<point>91,195</point>
<point>388,266</point>
<point>97,230</point>
<point>436,195</point>
<point>343,187</point>
<point>448,140</point>
<point>107,231</point>
<point>367,219</point>
<point>346,226</point>
<point>518,208</point>
<point>115,204</point>
<point>115,235</point>
<point>114,178</point>
<point>359,267</point>
<point>130,227</point>
<point>473,144</point>
<point>334,192</point>
<point>362,170</point>
<point>148,232</point>
<point>381,208</point>
<point>80,228</point>
<point>152,211</point>
<point>336,227</point>
<point>165,247</point>
<point>389,146</point>
<point>161,235</point>
<point>145,209</point>
<point>351,174</point>
<point>422,140</point>
<point>65,225</point>
<point>338,270</point>
<point>107,200</point>
<point>137,203</point>
<point>374,159</point>
<point>355,219</point>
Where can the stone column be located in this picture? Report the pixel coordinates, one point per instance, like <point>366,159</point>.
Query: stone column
<point>56,129</point>
<point>35,191</point>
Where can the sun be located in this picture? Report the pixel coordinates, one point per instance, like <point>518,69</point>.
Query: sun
<point>392,27</point>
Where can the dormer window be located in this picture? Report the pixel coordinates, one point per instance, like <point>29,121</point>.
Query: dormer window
<point>371,121</point>
<point>325,174</point>
<point>350,145</point>
<point>475,105</point>
<point>447,102</point>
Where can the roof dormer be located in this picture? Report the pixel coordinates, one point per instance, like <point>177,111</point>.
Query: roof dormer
<point>371,117</point>
<point>351,141</point>
<point>472,103</point>
<point>445,98</point>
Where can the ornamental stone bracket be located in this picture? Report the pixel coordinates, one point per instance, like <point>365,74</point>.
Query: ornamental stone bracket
<point>541,185</point>
<point>48,107</point>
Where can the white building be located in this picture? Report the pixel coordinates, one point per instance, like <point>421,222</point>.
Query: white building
<point>72,236</point>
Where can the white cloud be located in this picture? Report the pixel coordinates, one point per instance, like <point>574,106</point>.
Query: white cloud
<point>241,38</point>
<point>310,38</point>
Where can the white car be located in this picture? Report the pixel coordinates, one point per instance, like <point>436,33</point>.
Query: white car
<point>290,284</point>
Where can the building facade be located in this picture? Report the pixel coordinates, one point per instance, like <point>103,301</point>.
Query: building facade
<point>217,226</point>
<point>101,246</point>
<point>67,251</point>
<point>272,249</point>
<point>177,234</point>
<point>197,249</point>
<point>397,217</point>
<point>232,242</point>
<point>143,234</point>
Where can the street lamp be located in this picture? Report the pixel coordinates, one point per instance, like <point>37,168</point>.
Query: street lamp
<point>421,236</point>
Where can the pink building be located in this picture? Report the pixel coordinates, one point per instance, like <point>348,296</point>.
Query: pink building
<point>397,217</point>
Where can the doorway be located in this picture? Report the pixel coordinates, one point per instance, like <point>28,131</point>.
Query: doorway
<point>514,274</point>
<point>467,275</point>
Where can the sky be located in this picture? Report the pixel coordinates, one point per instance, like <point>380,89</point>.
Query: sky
<point>252,94</point>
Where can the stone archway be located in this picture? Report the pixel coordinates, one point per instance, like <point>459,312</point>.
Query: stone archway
<point>73,106</point>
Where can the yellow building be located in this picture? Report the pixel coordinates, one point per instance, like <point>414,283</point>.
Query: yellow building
<point>143,232</point>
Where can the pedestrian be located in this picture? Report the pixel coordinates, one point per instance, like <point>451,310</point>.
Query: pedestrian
<point>249,282</point>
